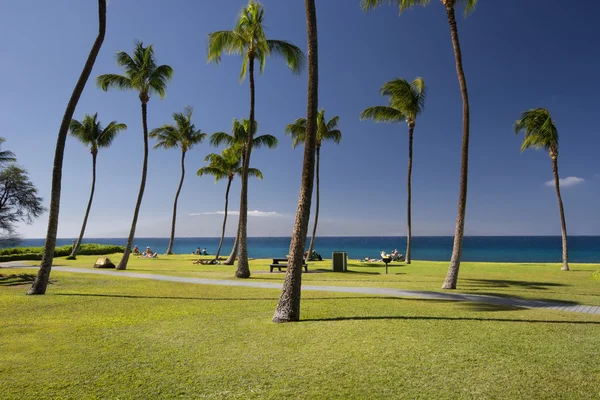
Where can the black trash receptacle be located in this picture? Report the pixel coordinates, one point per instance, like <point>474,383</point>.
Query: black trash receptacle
<point>339,261</point>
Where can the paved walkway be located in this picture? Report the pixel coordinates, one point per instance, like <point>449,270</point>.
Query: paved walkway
<point>421,294</point>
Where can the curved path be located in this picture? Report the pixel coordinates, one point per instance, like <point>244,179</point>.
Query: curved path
<point>496,300</point>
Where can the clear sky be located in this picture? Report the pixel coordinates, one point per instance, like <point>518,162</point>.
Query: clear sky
<point>517,55</point>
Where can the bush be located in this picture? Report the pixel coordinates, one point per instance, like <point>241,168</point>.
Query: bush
<point>36,253</point>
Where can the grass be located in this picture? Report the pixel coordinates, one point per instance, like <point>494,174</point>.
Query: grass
<point>110,337</point>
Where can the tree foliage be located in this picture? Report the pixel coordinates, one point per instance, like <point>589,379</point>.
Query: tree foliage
<point>19,200</point>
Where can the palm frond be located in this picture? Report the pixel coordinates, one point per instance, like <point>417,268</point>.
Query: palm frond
<point>334,136</point>
<point>404,5</point>
<point>268,141</point>
<point>292,54</point>
<point>228,42</point>
<point>539,128</point>
<point>333,123</point>
<point>219,138</point>
<point>158,80</point>
<point>256,173</point>
<point>382,114</point>
<point>297,130</point>
<point>109,133</point>
<point>116,81</point>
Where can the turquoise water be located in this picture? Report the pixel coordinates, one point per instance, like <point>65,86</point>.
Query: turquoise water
<point>584,249</point>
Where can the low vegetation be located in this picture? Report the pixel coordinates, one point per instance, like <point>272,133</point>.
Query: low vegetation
<point>36,253</point>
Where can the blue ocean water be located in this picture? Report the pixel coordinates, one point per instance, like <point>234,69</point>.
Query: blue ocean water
<point>583,249</point>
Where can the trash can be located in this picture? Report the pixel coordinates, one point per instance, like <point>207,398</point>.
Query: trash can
<point>339,261</point>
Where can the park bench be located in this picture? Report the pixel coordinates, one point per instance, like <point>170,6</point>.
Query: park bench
<point>282,263</point>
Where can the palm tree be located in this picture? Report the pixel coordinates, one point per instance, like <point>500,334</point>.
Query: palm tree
<point>41,281</point>
<point>221,166</point>
<point>248,39</point>
<point>185,136</point>
<point>541,133</point>
<point>6,156</point>
<point>326,130</point>
<point>238,141</point>
<point>143,75</point>
<point>407,101</point>
<point>288,307</point>
<point>452,275</point>
<point>91,133</point>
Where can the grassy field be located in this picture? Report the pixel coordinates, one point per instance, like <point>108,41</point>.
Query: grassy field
<point>111,337</point>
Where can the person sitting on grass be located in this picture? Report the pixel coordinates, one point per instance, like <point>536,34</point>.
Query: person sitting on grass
<point>198,252</point>
<point>204,252</point>
<point>136,250</point>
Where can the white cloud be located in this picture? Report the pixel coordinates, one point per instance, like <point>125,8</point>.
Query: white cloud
<point>252,213</point>
<point>567,182</point>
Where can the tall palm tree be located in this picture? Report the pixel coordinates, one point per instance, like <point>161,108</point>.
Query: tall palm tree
<point>221,166</point>
<point>41,281</point>
<point>185,136</point>
<point>6,156</point>
<point>452,275</point>
<point>248,39</point>
<point>238,141</point>
<point>326,131</point>
<point>91,133</point>
<point>406,102</point>
<point>288,307</point>
<point>541,133</point>
<point>143,75</point>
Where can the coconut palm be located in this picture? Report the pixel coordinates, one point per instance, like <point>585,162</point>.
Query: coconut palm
<point>288,307</point>
<point>221,166</point>
<point>452,275</point>
<point>41,281</point>
<point>237,141</point>
<point>248,40</point>
<point>185,136</point>
<point>326,131</point>
<point>406,102</point>
<point>143,75</point>
<point>541,133</point>
<point>91,133</point>
<point>6,156</point>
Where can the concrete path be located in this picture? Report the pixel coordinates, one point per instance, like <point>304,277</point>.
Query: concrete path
<point>496,300</point>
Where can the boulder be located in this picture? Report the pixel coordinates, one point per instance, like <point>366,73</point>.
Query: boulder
<point>104,262</point>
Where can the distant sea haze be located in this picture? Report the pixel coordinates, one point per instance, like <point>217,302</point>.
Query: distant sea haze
<point>582,249</point>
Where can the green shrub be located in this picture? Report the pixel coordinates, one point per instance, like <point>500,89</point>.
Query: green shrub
<point>36,253</point>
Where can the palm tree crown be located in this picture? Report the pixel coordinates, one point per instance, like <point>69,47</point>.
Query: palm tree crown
<point>183,134</point>
<point>406,4</point>
<point>228,164</point>
<point>91,133</point>
<point>540,130</point>
<point>326,130</point>
<point>238,138</point>
<point>248,40</point>
<point>406,102</point>
<point>141,73</point>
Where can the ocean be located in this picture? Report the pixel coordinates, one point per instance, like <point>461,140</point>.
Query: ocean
<point>582,249</point>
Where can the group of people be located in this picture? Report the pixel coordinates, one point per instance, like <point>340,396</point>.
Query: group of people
<point>203,252</point>
<point>395,256</point>
<point>146,254</point>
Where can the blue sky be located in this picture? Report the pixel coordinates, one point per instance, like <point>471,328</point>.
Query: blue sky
<point>517,55</point>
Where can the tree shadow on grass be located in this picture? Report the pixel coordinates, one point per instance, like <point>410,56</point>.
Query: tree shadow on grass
<point>427,318</point>
<point>16,279</point>
<point>505,283</point>
<point>558,302</point>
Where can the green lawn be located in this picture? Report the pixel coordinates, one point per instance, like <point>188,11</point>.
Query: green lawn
<point>109,337</point>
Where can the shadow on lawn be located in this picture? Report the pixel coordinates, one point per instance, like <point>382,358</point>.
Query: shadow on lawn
<point>15,280</point>
<point>409,318</point>
<point>558,302</point>
<point>504,283</point>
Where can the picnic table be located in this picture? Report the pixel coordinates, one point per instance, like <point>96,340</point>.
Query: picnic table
<point>282,263</point>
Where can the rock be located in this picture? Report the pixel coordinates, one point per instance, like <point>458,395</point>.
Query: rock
<point>104,262</point>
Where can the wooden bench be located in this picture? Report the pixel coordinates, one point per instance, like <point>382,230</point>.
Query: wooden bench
<point>277,261</point>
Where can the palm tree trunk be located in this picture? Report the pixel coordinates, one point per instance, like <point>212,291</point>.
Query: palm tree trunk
<point>411,129</point>
<point>563,224</point>
<point>314,232</point>
<point>89,206</point>
<point>41,281</point>
<point>172,240</point>
<point>232,256</point>
<point>452,275</point>
<point>224,218</point>
<point>123,263</point>
<point>243,269</point>
<point>288,308</point>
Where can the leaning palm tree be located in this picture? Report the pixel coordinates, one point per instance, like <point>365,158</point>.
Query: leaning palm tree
<point>6,156</point>
<point>185,136</point>
<point>248,39</point>
<point>452,275</point>
<point>91,133</point>
<point>326,131</point>
<point>407,101</point>
<point>288,307</point>
<point>541,133</point>
<point>41,281</point>
<point>143,75</point>
<point>238,141</point>
<point>221,166</point>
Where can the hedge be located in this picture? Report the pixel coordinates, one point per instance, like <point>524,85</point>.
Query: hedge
<point>36,253</point>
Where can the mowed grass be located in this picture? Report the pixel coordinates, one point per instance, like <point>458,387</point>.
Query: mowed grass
<point>114,337</point>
